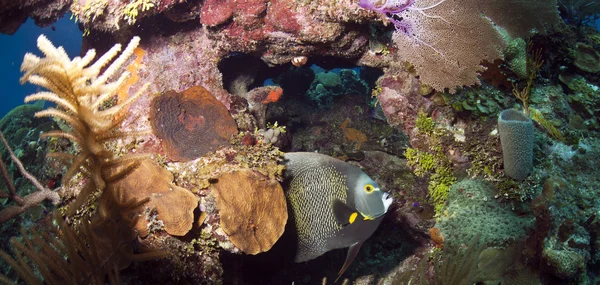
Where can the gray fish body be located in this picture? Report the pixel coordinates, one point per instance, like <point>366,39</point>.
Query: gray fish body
<point>318,183</point>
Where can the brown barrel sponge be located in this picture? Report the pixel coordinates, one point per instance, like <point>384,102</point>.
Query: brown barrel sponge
<point>191,123</point>
<point>253,210</point>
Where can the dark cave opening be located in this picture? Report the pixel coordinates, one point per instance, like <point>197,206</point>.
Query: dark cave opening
<point>318,98</point>
<point>335,74</point>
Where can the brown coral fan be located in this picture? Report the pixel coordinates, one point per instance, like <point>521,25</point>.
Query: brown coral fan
<point>447,40</point>
<point>174,205</point>
<point>253,210</point>
<point>191,123</point>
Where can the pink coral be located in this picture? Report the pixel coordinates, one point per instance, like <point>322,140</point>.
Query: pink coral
<point>246,13</point>
<point>216,12</point>
<point>281,17</point>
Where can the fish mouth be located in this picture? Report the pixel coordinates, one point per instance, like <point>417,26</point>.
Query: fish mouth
<point>387,200</point>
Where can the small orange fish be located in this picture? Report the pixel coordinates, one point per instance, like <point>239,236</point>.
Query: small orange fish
<point>274,95</point>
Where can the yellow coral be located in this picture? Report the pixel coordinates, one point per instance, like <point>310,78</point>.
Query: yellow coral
<point>131,9</point>
<point>79,90</point>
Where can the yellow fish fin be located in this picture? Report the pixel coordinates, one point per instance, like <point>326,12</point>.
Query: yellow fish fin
<point>353,217</point>
<point>367,217</point>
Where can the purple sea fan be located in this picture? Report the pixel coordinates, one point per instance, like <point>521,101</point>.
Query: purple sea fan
<point>446,40</point>
<point>396,10</point>
<point>383,6</point>
<point>394,7</point>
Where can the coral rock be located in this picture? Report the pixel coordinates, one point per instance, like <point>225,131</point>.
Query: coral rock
<point>258,98</point>
<point>563,263</point>
<point>400,102</point>
<point>587,58</point>
<point>247,13</point>
<point>253,210</point>
<point>174,205</point>
<point>190,124</point>
<point>215,12</point>
<point>281,17</point>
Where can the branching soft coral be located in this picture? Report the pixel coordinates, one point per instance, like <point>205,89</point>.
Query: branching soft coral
<point>79,91</point>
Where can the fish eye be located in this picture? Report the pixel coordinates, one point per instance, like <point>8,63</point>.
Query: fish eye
<point>369,188</point>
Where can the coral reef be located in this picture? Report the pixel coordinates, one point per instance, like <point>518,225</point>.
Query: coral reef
<point>252,210</point>
<point>174,205</point>
<point>198,173</point>
<point>480,101</point>
<point>190,124</point>
<point>79,91</point>
<point>431,160</point>
<point>400,100</point>
<point>579,12</point>
<point>329,84</point>
<point>177,144</point>
<point>472,211</point>
<point>23,131</point>
<point>515,55</point>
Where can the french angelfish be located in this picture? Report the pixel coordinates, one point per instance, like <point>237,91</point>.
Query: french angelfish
<point>333,204</point>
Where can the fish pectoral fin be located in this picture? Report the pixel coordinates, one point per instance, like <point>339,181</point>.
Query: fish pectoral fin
<point>344,214</point>
<point>352,252</point>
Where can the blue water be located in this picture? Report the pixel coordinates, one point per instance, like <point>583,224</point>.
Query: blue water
<point>14,47</point>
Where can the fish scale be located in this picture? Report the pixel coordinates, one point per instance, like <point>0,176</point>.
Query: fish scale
<point>311,207</point>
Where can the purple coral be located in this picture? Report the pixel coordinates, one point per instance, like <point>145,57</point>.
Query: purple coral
<point>392,7</point>
<point>395,7</point>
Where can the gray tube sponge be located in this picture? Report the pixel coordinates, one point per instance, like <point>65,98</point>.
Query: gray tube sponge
<point>516,136</point>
